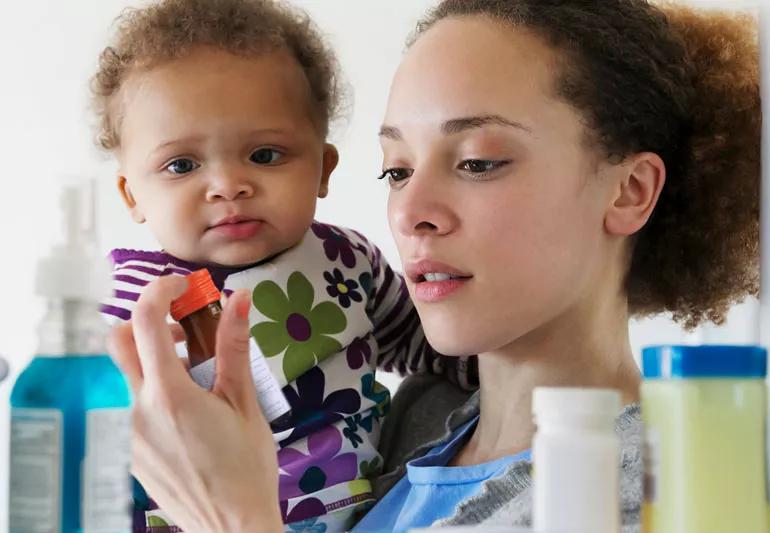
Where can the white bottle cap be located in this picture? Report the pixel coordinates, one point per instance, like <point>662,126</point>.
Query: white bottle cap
<point>553,403</point>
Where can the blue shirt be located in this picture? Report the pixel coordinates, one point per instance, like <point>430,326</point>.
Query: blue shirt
<point>431,490</point>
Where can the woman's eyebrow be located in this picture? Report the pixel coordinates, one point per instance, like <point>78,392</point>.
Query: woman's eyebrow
<point>458,125</point>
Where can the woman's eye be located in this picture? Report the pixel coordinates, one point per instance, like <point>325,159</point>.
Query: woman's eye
<point>182,166</point>
<point>395,175</point>
<point>265,156</point>
<point>481,166</point>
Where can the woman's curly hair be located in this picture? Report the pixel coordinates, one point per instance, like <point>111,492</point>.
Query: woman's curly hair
<point>170,29</point>
<point>681,83</point>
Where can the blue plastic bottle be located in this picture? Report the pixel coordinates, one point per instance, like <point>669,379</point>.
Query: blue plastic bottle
<point>70,418</point>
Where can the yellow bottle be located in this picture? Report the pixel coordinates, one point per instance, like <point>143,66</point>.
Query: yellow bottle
<point>704,409</point>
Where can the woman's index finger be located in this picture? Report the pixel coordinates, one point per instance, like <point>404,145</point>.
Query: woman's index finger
<point>154,340</point>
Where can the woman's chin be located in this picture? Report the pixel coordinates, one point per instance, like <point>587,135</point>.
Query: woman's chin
<point>457,342</point>
<point>470,335</point>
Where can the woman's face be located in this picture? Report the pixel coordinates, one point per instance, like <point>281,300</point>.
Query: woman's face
<point>493,184</point>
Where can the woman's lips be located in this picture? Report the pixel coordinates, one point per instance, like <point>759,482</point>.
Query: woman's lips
<point>435,281</point>
<point>436,291</point>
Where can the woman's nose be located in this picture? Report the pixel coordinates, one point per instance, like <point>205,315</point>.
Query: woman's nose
<point>230,184</point>
<point>422,208</point>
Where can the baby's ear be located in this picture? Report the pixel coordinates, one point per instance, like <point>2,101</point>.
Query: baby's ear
<point>330,159</point>
<point>639,181</point>
<point>130,201</point>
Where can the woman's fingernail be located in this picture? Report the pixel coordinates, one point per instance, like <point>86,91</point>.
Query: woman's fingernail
<point>242,305</point>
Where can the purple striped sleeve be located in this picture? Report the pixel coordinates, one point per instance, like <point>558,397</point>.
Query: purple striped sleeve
<point>178,271</point>
<point>155,271</point>
<point>410,323</point>
<point>126,295</point>
<point>135,269</point>
<point>118,312</point>
<point>162,259</point>
<point>125,278</point>
<point>129,265</point>
<point>144,269</point>
<point>382,289</point>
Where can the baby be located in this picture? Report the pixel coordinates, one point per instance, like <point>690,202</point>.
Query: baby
<point>217,112</point>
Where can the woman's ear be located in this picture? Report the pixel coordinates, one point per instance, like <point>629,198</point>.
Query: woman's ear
<point>331,158</point>
<point>641,179</point>
<point>130,201</point>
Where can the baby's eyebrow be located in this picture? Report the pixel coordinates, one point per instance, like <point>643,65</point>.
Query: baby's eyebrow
<point>281,130</point>
<point>192,139</point>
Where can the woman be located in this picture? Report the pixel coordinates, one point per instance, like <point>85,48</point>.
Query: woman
<point>555,168</point>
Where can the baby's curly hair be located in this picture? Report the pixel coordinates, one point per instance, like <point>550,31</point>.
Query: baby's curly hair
<point>681,83</point>
<point>170,29</point>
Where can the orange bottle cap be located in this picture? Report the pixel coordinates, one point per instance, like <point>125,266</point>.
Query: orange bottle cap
<point>200,292</point>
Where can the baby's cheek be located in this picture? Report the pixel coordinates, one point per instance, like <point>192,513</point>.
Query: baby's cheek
<point>297,219</point>
<point>176,237</point>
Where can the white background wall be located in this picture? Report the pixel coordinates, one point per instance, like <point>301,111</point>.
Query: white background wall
<point>48,51</point>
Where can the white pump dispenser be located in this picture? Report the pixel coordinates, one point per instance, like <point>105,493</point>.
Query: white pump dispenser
<point>74,279</point>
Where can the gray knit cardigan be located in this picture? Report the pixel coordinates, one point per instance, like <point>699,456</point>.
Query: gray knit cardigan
<point>425,412</point>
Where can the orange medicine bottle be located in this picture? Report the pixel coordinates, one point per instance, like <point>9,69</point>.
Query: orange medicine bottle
<point>198,311</point>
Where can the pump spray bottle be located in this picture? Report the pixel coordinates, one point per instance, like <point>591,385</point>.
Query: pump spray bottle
<point>70,418</point>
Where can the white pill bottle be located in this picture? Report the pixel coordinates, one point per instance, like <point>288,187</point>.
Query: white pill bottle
<point>576,455</point>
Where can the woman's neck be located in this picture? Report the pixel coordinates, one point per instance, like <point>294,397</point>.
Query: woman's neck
<point>586,347</point>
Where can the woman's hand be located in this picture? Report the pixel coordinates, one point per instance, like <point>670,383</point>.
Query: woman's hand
<point>207,458</point>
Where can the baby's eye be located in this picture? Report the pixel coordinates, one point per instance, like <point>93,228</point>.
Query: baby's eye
<point>481,166</point>
<point>395,175</point>
<point>265,156</point>
<point>182,166</point>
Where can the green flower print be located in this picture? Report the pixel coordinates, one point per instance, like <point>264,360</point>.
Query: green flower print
<point>298,327</point>
<point>371,469</point>
<point>156,521</point>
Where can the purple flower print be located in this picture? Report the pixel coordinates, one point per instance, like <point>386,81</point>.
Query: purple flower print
<point>311,410</point>
<point>335,245</point>
<point>358,351</point>
<point>342,289</point>
<point>321,467</point>
<point>308,508</point>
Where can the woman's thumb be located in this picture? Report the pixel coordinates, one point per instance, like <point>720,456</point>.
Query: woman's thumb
<point>233,368</point>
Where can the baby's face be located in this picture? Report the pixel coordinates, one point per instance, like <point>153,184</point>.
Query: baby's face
<point>220,156</point>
